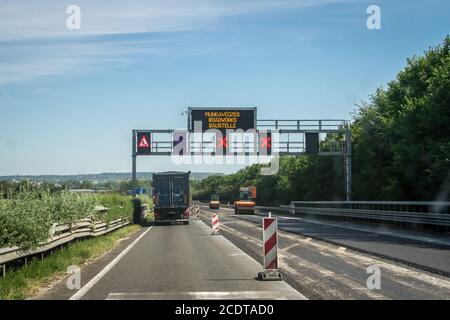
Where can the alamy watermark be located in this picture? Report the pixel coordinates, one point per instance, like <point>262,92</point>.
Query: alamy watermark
<point>374,20</point>
<point>374,280</point>
<point>73,21</point>
<point>230,147</point>
<point>74,280</point>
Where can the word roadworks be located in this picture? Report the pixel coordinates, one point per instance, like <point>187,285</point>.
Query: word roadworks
<point>222,309</point>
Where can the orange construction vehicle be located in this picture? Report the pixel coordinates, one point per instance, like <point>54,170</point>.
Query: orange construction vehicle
<point>246,202</point>
<point>214,203</point>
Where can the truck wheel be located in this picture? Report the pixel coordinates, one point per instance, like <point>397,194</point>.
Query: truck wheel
<point>186,222</point>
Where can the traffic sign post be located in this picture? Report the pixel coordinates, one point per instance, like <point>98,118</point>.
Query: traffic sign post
<point>270,250</point>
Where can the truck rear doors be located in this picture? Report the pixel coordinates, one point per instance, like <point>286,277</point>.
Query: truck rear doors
<point>171,192</point>
<point>179,191</point>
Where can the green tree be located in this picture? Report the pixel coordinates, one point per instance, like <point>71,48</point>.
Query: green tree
<point>401,137</point>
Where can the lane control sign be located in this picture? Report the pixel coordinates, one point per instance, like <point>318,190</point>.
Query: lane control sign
<point>143,143</point>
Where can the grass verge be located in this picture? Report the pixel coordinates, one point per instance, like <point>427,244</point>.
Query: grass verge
<point>24,282</point>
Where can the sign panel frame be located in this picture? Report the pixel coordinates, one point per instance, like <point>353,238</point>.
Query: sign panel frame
<point>190,120</point>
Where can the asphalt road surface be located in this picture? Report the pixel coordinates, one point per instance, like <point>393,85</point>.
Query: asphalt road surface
<point>187,262</point>
<point>419,249</point>
<point>324,270</point>
<point>175,262</point>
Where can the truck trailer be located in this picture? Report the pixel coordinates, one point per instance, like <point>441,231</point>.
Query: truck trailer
<point>171,197</point>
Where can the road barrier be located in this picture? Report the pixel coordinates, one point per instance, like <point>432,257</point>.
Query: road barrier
<point>197,210</point>
<point>270,250</point>
<point>429,213</point>
<point>416,212</point>
<point>215,224</point>
<point>194,211</point>
<point>59,235</point>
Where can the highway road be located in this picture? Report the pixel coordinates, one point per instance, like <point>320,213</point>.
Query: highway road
<point>187,262</point>
<point>175,262</point>
<point>324,270</point>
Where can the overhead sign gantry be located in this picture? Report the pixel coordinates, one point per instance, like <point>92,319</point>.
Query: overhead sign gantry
<point>236,131</point>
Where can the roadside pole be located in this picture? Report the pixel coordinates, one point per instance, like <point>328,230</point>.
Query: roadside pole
<point>348,165</point>
<point>133,164</point>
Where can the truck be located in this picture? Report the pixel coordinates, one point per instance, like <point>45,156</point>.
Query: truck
<point>171,197</point>
<point>246,202</point>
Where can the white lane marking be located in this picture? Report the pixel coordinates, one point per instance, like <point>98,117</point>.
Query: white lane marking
<point>237,254</point>
<point>201,295</point>
<point>80,293</point>
<point>290,247</point>
<point>221,208</point>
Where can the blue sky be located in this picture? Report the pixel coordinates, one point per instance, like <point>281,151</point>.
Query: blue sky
<point>69,98</point>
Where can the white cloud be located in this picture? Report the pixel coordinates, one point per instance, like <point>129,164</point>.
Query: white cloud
<point>36,42</point>
<point>25,19</point>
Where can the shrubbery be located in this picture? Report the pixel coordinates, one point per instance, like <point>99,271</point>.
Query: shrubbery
<point>26,217</point>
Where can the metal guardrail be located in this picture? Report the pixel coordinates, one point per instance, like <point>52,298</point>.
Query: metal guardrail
<point>435,213</point>
<point>62,234</point>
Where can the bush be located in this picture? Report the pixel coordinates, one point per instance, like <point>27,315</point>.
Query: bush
<point>27,217</point>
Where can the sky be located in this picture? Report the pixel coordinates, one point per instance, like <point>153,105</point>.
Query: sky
<point>70,98</point>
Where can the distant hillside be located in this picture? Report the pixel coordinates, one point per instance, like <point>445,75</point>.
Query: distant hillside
<point>100,177</point>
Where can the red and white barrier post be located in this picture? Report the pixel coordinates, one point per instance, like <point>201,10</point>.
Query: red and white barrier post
<point>270,250</point>
<point>197,211</point>
<point>194,211</point>
<point>215,224</point>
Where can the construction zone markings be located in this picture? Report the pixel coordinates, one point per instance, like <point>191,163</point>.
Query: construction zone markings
<point>182,262</point>
<point>323,270</point>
